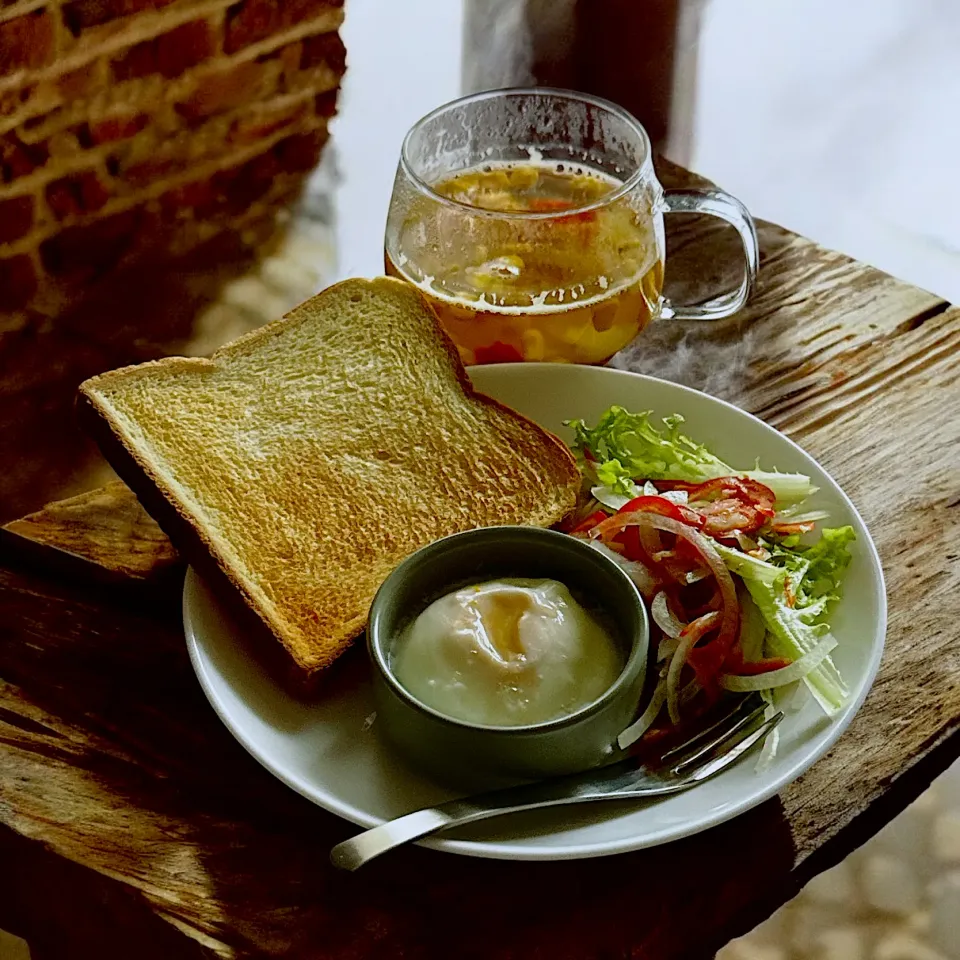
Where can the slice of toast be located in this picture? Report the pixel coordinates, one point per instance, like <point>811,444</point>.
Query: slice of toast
<point>306,459</point>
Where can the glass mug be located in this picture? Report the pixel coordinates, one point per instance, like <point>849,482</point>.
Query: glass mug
<point>532,220</point>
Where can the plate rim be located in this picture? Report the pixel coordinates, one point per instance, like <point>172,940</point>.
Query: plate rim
<point>498,851</point>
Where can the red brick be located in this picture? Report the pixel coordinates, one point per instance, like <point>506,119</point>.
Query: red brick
<point>139,61</point>
<point>109,129</point>
<point>300,153</point>
<point>184,47</point>
<point>85,252</point>
<point>9,102</point>
<point>18,282</point>
<point>296,11</point>
<point>201,195</point>
<point>16,218</point>
<point>252,20</point>
<point>19,159</point>
<point>169,54</point>
<point>289,56</point>
<point>147,171</point>
<point>325,48</point>
<point>245,189</point>
<point>223,90</point>
<point>262,124</point>
<point>264,166</point>
<point>77,194</point>
<point>235,188</point>
<point>82,14</point>
<point>228,192</point>
<point>81,82</point>
<point>42,119</point>
<point>325,104</point>
<point>26,42</point>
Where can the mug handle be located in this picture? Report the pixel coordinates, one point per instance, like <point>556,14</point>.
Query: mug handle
<point>716,203</point>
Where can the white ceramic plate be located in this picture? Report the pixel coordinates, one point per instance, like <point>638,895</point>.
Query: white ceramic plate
<point>324,750</point>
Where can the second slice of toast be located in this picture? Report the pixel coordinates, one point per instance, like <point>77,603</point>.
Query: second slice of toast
<point>308,458</point>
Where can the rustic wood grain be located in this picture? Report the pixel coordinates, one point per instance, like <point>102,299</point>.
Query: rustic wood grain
<point>113,760</point>
<point>104,529</point>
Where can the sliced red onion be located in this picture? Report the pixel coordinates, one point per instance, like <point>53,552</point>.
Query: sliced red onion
<point>690,691</point>
<point>666,648</point>
<point>645,721</point>
<point>652,544</point>
<point>664,617</point>
<point>777,678</point>
<point>792,515</point>
<point>646,582</point>
<point>688,640</point>
<point>707,552</point>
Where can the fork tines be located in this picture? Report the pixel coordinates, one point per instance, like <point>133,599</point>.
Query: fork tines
<point>742,718</point>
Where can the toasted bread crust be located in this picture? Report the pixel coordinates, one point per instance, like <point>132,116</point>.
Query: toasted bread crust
<point>210,555</point>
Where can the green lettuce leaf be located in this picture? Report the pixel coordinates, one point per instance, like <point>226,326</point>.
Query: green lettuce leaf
<point>628,444</point>
<point>626,447</point>
<point>794,614</point>
<point>816,570</point>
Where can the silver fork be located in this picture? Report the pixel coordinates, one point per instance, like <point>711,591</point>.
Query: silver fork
<point>701,757</point>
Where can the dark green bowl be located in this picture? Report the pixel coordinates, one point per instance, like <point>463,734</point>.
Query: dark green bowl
<point>474,755</point>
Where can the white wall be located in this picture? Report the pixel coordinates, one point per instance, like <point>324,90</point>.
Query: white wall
<point>841,120</point>
<point>403,59</point>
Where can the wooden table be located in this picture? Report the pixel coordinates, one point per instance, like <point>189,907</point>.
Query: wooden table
<point>134,825</point>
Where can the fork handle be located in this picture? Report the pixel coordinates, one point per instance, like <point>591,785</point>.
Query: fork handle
<point>361,849</point>
<point>355,852</point>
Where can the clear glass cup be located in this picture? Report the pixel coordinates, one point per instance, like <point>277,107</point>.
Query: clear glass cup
<point>532,220</point>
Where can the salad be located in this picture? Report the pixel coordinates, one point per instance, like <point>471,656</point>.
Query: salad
<point>739,578</point>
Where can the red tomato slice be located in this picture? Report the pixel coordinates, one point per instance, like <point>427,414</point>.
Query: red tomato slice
<point>729,503</point>
<point>785,529</point>
<point>630,538</point>
<point>588,523</point>
<point>632,548</point>
<point>762,496</point>
<point>556,205</point>
<point>735,664</point>
<point>721,517</point>
<point>762,666</point>
<point>666,508</point>
<point>748,491</point>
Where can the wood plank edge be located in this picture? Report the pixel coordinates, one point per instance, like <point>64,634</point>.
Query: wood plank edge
<point>47,558</point>
<point>774,892</point>
<point>64,908</point>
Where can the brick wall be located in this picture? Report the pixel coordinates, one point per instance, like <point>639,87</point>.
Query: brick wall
<point>144,127</point>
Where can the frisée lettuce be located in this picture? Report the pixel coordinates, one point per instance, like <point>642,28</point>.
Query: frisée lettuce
<point>793,590</point>
<point>624,446</point>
